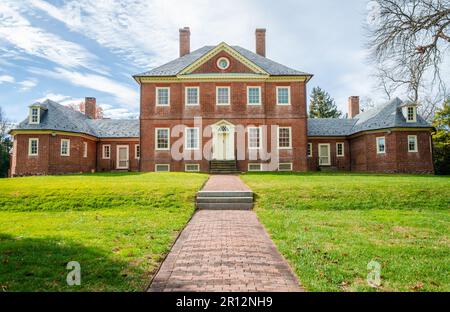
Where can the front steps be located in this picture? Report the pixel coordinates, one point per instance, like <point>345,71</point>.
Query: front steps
<point>225,200</point>
<point>223,167</point>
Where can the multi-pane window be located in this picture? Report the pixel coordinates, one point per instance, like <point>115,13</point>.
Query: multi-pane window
<point>309,150</point>
<point>33,147</point>
<point>65,147</point>
<point>34,115</point>
<point>412,143</point>
<point>411,113</point>
<point>137,151</point>
<point>283,96</point>
<point>85,149</point>
<point>162,138</point>
<point>223,95</point>
<point>192,95</point>
<point>254,138</point>
<point>192,138</point>
<point>340,149</point>
<point>106,151</point>
<point>162,96</point>
<point>254,95</point>
<point>381,145</point>
<point>284,137</point>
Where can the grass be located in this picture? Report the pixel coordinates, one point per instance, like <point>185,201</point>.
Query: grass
<point>330,226</point>
<point>117,226</point>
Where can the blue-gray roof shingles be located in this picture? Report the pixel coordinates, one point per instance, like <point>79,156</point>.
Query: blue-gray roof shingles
<point>174,67</point>
<point>384,116</point>
<point>57,117</point>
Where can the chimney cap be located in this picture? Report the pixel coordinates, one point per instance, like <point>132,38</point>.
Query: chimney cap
<point>185,29</point>
<point>263,30</point>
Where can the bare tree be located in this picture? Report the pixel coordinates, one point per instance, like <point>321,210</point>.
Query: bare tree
<point>4,126</point>
<point>80,107</point>
<point>409,41</point>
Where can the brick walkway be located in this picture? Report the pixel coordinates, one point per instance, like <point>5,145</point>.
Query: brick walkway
<point>225,183</point>
<point>224,250</point>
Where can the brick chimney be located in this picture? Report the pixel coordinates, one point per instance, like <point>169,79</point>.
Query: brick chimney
<point>90,107</point>
<point>185,41</point>
<point>261,41</point>
<point>353,106</point>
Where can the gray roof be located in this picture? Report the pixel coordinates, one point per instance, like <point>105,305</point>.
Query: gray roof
<point>176,66</point>
<point>388,115</point>
<point>57,117</point>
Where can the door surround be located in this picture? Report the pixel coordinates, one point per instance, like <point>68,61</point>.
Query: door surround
<point>223,141</point>
<point>328,156</point>
<point>118,147</point>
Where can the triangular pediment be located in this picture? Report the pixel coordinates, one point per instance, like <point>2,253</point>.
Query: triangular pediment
<point>207,63</point>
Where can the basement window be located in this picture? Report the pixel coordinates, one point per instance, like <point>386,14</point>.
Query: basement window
<point>285,167</point>
<point>254,167</point>
<point>162,168</point>
<point>192,167</point>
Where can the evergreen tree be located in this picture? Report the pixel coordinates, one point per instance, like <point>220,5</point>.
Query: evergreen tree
<point>441,139</point>
<point>322,105</point>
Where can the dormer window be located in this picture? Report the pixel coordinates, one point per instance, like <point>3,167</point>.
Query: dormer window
<point>35,115</point>
<point>410,113</point>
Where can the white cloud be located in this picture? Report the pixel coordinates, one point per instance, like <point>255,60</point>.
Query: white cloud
<point>6,78</point>
<point>118,113</point>
<point>16,30</point>
<point>145,32</point>
<point>27,84</point>
<point>123,94</point>
<point>60,98</point>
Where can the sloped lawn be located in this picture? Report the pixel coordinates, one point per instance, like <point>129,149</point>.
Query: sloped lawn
<point>330,226</point>
<point>117,226</point>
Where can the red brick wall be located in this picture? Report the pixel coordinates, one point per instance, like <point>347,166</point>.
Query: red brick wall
<point>238,113</point>
<point>111,164</point>
<point>49,159</point>
<point>397,158</point>
<point>340,162</point>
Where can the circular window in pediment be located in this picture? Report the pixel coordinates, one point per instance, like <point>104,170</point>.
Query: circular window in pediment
<point>223,63</point>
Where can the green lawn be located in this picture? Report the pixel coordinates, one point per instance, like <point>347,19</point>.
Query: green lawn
<point>117,226</point>
<point>329,226</point>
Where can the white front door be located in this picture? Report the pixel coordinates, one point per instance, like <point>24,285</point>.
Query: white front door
<point>324,154</point>
<point>122,157</point>
<point>223,142</point>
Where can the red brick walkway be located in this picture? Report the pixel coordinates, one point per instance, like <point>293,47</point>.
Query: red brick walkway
<point>224,250</point>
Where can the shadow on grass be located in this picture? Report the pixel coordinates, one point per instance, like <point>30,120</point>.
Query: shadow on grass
<point>39,264</point>
<point>347,173</point>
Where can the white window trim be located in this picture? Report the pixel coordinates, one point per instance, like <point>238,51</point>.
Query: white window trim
<point>157,98</point>
<point>343,149</point>
<point>414,114</point>
<point>103,151</point>
<point>328,156</point>
<point>186,139</point>
<point>186,166</point>
<point>415,144</point>
<point>186,96</point>
<point>136,146</point>
<point>85,149</point>
<point>248,167</point>
<point>248,95</point>
<point>29,146</point>
<point>378,145</point>
<point>168,167</point>
<point>156,139</point>
<point>290,138</point>
<point>289,95</point>
<point>61,147</point>
<point>260,138</point>
<point>217,95</point>
<point>290,164</point>
<point>310,150</point>
<point>30,120</point>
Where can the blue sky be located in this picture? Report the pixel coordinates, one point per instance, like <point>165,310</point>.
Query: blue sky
<point>66,50</point>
